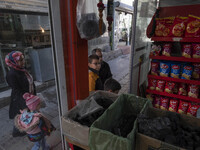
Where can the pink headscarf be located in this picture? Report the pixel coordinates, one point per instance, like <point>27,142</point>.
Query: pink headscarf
<point>11,61</point>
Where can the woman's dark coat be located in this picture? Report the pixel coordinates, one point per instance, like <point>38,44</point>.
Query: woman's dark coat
<point>19,84</point>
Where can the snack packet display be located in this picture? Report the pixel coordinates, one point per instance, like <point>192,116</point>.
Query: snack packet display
<point>155,50</point>
<point>164,69</point>
<point>156,102</point>
<point>182,89</point>
<point>152,84</point>
<point>154,68</point>
<point>193,91</point>
<point>196,51</point>
<point>193,25</point>
<point>160,85</point>
<point>175,70</point>
<point>179,26</point>
<point>187,72</point>
<point>196,71</point>
<point>187,50</point>
<point>163,26</point>
<point>175,89</point>
<point>150,97</point>
<point>164,103</point>
<point>192,109</point>
<point>167,49</point>
<point>169,86</point>
<point>182,108</point>
<point>173,105</point>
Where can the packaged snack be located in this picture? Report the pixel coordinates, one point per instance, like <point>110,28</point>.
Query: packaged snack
<point>152,84</point>
<point>192,109</point>
<point>196,71</point>
<point>150,97</point>
<point>160,85</point>
<point>163,26</point>
<point>193,91</point>
<point>175,70</point>
<point>155,50</point>
<point>182,108</point>
<point>154,68</point>
<point>193,25</point>
<point>182,89</point>
<point>187,72</point>
<point>196,51</point>
<point>187,50</point>
<point>175,89</point>
<point>167,49</point>
<point>156,102</point>
<point>179,26</point>
<point>173,105</point>
<point>169,87</point>
<point>164,69</point>
<point>164,103</point>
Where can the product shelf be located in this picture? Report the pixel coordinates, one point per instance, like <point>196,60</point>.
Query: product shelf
<point>170,58</point>
<point>174,79</point>
<point>186,98</point>
<point>176,39</point>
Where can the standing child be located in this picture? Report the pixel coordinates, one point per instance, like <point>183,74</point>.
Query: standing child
<point>94,80</point>
<point>34,123</point>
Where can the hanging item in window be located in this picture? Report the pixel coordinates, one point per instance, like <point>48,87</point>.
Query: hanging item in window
<point>88,20</point>
<point>101,7</point>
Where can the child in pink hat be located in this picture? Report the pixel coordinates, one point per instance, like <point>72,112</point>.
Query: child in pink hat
<point>34,123</point>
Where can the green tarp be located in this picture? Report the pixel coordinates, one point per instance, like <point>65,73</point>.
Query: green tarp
<point>101,139</point>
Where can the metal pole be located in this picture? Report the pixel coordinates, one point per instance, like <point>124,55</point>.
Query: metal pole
<point>135,4</point>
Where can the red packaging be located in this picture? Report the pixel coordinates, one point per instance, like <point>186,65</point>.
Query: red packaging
<point>173,105</point>
<point>196,71</point>
<point>187,50</point>
<point>182,89</point>
<point>167,49</point>
<point>169,86</point>
<point>193,25</point>
<point>160,85</point>
<point>152,84</point>
<point>154,68</point>
<point>156,102</point>
<point>193,91</point>
<point>196,51</point>
<point>182,108</point>
<point>179,26</point>
<point>175,89</point>
<point>163,26</point>
<point>192,110</point>
<point>164,103</point>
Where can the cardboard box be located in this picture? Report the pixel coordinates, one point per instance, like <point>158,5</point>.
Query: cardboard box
<point>75,132</point>
<point>144,142</point>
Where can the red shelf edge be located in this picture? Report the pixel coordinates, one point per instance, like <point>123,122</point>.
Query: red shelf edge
<point>176,39</point>
<point>196,100</point>
<point>174,79</point>
<point>176,58</point>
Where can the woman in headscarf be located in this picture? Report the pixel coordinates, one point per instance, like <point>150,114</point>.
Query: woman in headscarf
<point>20,82</point>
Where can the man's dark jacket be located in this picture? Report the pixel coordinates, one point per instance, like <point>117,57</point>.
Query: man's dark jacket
<point>104,72</point>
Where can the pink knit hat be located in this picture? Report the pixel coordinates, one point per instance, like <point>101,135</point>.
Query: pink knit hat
<point>31,101</point>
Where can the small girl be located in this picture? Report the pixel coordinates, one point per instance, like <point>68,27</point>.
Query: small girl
<point>34,123</point>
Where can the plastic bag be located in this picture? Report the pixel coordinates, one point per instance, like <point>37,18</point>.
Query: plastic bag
<point>87,19</point>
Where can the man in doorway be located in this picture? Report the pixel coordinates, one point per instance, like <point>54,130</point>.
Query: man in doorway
<point>104,72</point>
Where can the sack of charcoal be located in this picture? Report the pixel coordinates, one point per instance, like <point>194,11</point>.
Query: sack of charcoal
<point>116,128</point>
